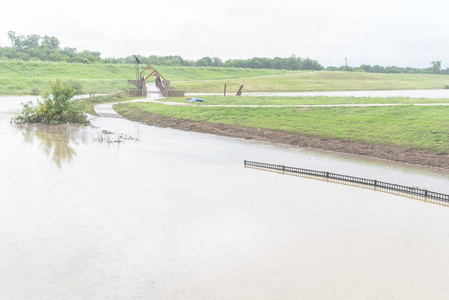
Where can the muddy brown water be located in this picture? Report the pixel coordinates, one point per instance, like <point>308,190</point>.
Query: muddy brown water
<point>120,210</point>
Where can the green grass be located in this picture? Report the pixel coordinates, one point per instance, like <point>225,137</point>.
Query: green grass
<point>200,73</point>
<point>20,77</point>
<point>423,127</point>
<point>303,100</point>
<point>320,81</point>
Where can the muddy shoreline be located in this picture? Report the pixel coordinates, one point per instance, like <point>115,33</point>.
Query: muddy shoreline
<point>392,153</point>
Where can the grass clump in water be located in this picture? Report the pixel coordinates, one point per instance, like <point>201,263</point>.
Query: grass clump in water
<point>56,107</point>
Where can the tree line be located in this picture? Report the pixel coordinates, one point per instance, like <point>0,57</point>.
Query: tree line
<point>435,68</point>
<point>289,63</point>
<point>46,48</point>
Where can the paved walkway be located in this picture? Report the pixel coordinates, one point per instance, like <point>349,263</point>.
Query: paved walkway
<point>106,110</point>
<point>154,94</point>
<point>299,106</point>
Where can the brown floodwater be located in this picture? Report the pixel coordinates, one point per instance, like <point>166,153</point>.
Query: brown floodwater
<point>121,210</point>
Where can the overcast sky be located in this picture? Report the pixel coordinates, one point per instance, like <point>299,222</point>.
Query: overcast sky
<point>385,32</point>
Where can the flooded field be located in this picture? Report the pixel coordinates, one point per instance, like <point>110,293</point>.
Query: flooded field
<point>120,210</point>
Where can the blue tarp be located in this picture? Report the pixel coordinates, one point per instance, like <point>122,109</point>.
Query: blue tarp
<point>195,99</point>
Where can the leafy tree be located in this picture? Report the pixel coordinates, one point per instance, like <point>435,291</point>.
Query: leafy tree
<point>16,41</point>
<point>31,42</point>
<point>217,62</point>
<point>202,63</point>
<point>50,42</point>
<point>436,67</point>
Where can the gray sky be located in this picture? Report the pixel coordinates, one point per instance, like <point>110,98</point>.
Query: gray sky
<point>395,32</point>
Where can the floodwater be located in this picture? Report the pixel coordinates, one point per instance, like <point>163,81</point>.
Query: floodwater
<point>434,94</point>
<point>120,210</point>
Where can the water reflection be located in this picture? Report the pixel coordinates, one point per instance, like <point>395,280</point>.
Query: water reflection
<point>359,185</point>
<point>60,141</point>
<point>57,141</point>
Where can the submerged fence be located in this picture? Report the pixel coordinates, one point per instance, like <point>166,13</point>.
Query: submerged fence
<point>400,189</point>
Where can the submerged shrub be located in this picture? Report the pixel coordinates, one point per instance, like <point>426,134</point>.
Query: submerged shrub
<point>77,86</point>
<point>56,107</point>
<point>35,92</point>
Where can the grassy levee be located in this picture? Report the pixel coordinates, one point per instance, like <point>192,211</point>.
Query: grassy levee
<point>321,81</point>
<point>19,77</point>
<point>410,127</point>
<point>31,77</point>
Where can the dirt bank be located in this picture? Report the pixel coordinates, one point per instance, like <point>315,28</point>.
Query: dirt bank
<point>413,156</point>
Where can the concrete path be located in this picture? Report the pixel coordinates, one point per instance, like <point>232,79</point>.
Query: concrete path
<point>299,106</point>
<point>106,110</point>
<point>154,94</point>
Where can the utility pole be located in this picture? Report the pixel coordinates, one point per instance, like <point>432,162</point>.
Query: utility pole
<point>346,61</point>
<point>137,67</point>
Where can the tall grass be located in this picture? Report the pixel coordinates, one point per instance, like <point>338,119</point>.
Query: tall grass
<point>322,81</point>
<point>31,77</point>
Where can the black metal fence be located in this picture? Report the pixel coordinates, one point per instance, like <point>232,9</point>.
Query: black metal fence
<point>345,178</point>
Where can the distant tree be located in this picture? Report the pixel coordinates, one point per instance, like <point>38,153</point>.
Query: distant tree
<point>392,69</point>
<point>293,63</point>
<point>366,68</point>
<point>31,42</point>
<point>208,60</point>
<point>257,63</point>
<point>310,64</point>
<point>378,69</point>
<point>436,67</point>
<point>217,62</point>
<point>278,63</point>
<point>16,40</point>
<point>50,42</point>
<point>201,63</point>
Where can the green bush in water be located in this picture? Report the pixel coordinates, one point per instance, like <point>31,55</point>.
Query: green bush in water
<point>56,107</point>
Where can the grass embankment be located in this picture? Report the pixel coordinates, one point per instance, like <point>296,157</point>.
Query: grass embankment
<point>31,77</point>
<point>19,77</point>
<point>410,127</point>
<point>320,81</point>
<point>316,100</point>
